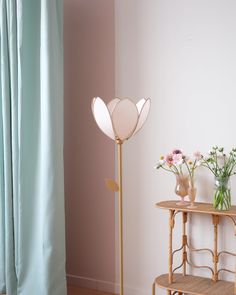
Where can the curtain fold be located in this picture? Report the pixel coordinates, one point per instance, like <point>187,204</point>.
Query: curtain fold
<point>32,242</point>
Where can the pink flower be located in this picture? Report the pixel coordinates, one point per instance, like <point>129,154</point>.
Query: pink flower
<point>197,155</point>
<point>177,152</point>
<point>169,159</point>
<point>178,159</point>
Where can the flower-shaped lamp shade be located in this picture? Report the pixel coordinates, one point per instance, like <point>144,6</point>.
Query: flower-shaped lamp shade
<point>120,118</point>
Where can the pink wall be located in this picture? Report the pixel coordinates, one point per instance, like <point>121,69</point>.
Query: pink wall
<point>89,155</point>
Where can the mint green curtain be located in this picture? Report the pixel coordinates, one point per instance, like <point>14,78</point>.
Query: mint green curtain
<point>32,242</point>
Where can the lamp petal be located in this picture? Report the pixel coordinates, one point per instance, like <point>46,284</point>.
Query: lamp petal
<point>112,185</point>
<point>102,117</point>
<point>140,104</point>
<point>124,118</point>
<point>112,104</point>
<point>143,114</point>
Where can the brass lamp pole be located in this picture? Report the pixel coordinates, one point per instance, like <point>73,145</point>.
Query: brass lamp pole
<point>120,119</point>
<point>119,144</point>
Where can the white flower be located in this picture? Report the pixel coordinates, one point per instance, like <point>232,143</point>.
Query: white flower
<point>120,118</point>
<point>161,162</point>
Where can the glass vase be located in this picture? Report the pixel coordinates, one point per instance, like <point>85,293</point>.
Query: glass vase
<point>222,195</point>
<point>181,188</point>
<point>192,191</point>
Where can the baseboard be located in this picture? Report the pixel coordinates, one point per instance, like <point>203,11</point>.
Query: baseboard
<point>105,286</point>
<point>91,283</point>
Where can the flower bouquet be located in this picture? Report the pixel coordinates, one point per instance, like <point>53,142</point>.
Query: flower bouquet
<point>222,166</point>
<point>183,167</point>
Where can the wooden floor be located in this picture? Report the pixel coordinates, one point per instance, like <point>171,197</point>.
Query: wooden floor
<point>74,290</point>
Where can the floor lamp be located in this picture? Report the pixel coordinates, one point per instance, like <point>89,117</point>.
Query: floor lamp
<point>120,119</point>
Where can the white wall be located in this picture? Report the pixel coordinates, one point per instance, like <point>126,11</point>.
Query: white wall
<point>182,54</point>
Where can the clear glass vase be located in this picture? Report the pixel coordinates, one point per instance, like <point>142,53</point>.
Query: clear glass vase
<point>181,188</point>
<point>222,195</point>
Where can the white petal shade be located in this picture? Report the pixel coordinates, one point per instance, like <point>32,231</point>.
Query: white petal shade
<point>102,117</point>
<point>144,111</point>
<point>112,104</point>
<point>140,104</point>
<point>121,118</point>
<point>125,118</point>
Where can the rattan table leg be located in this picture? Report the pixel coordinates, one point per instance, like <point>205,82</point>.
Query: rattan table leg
<point>171,226</point>
<point>184,242</point>
<point>215,219</point>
